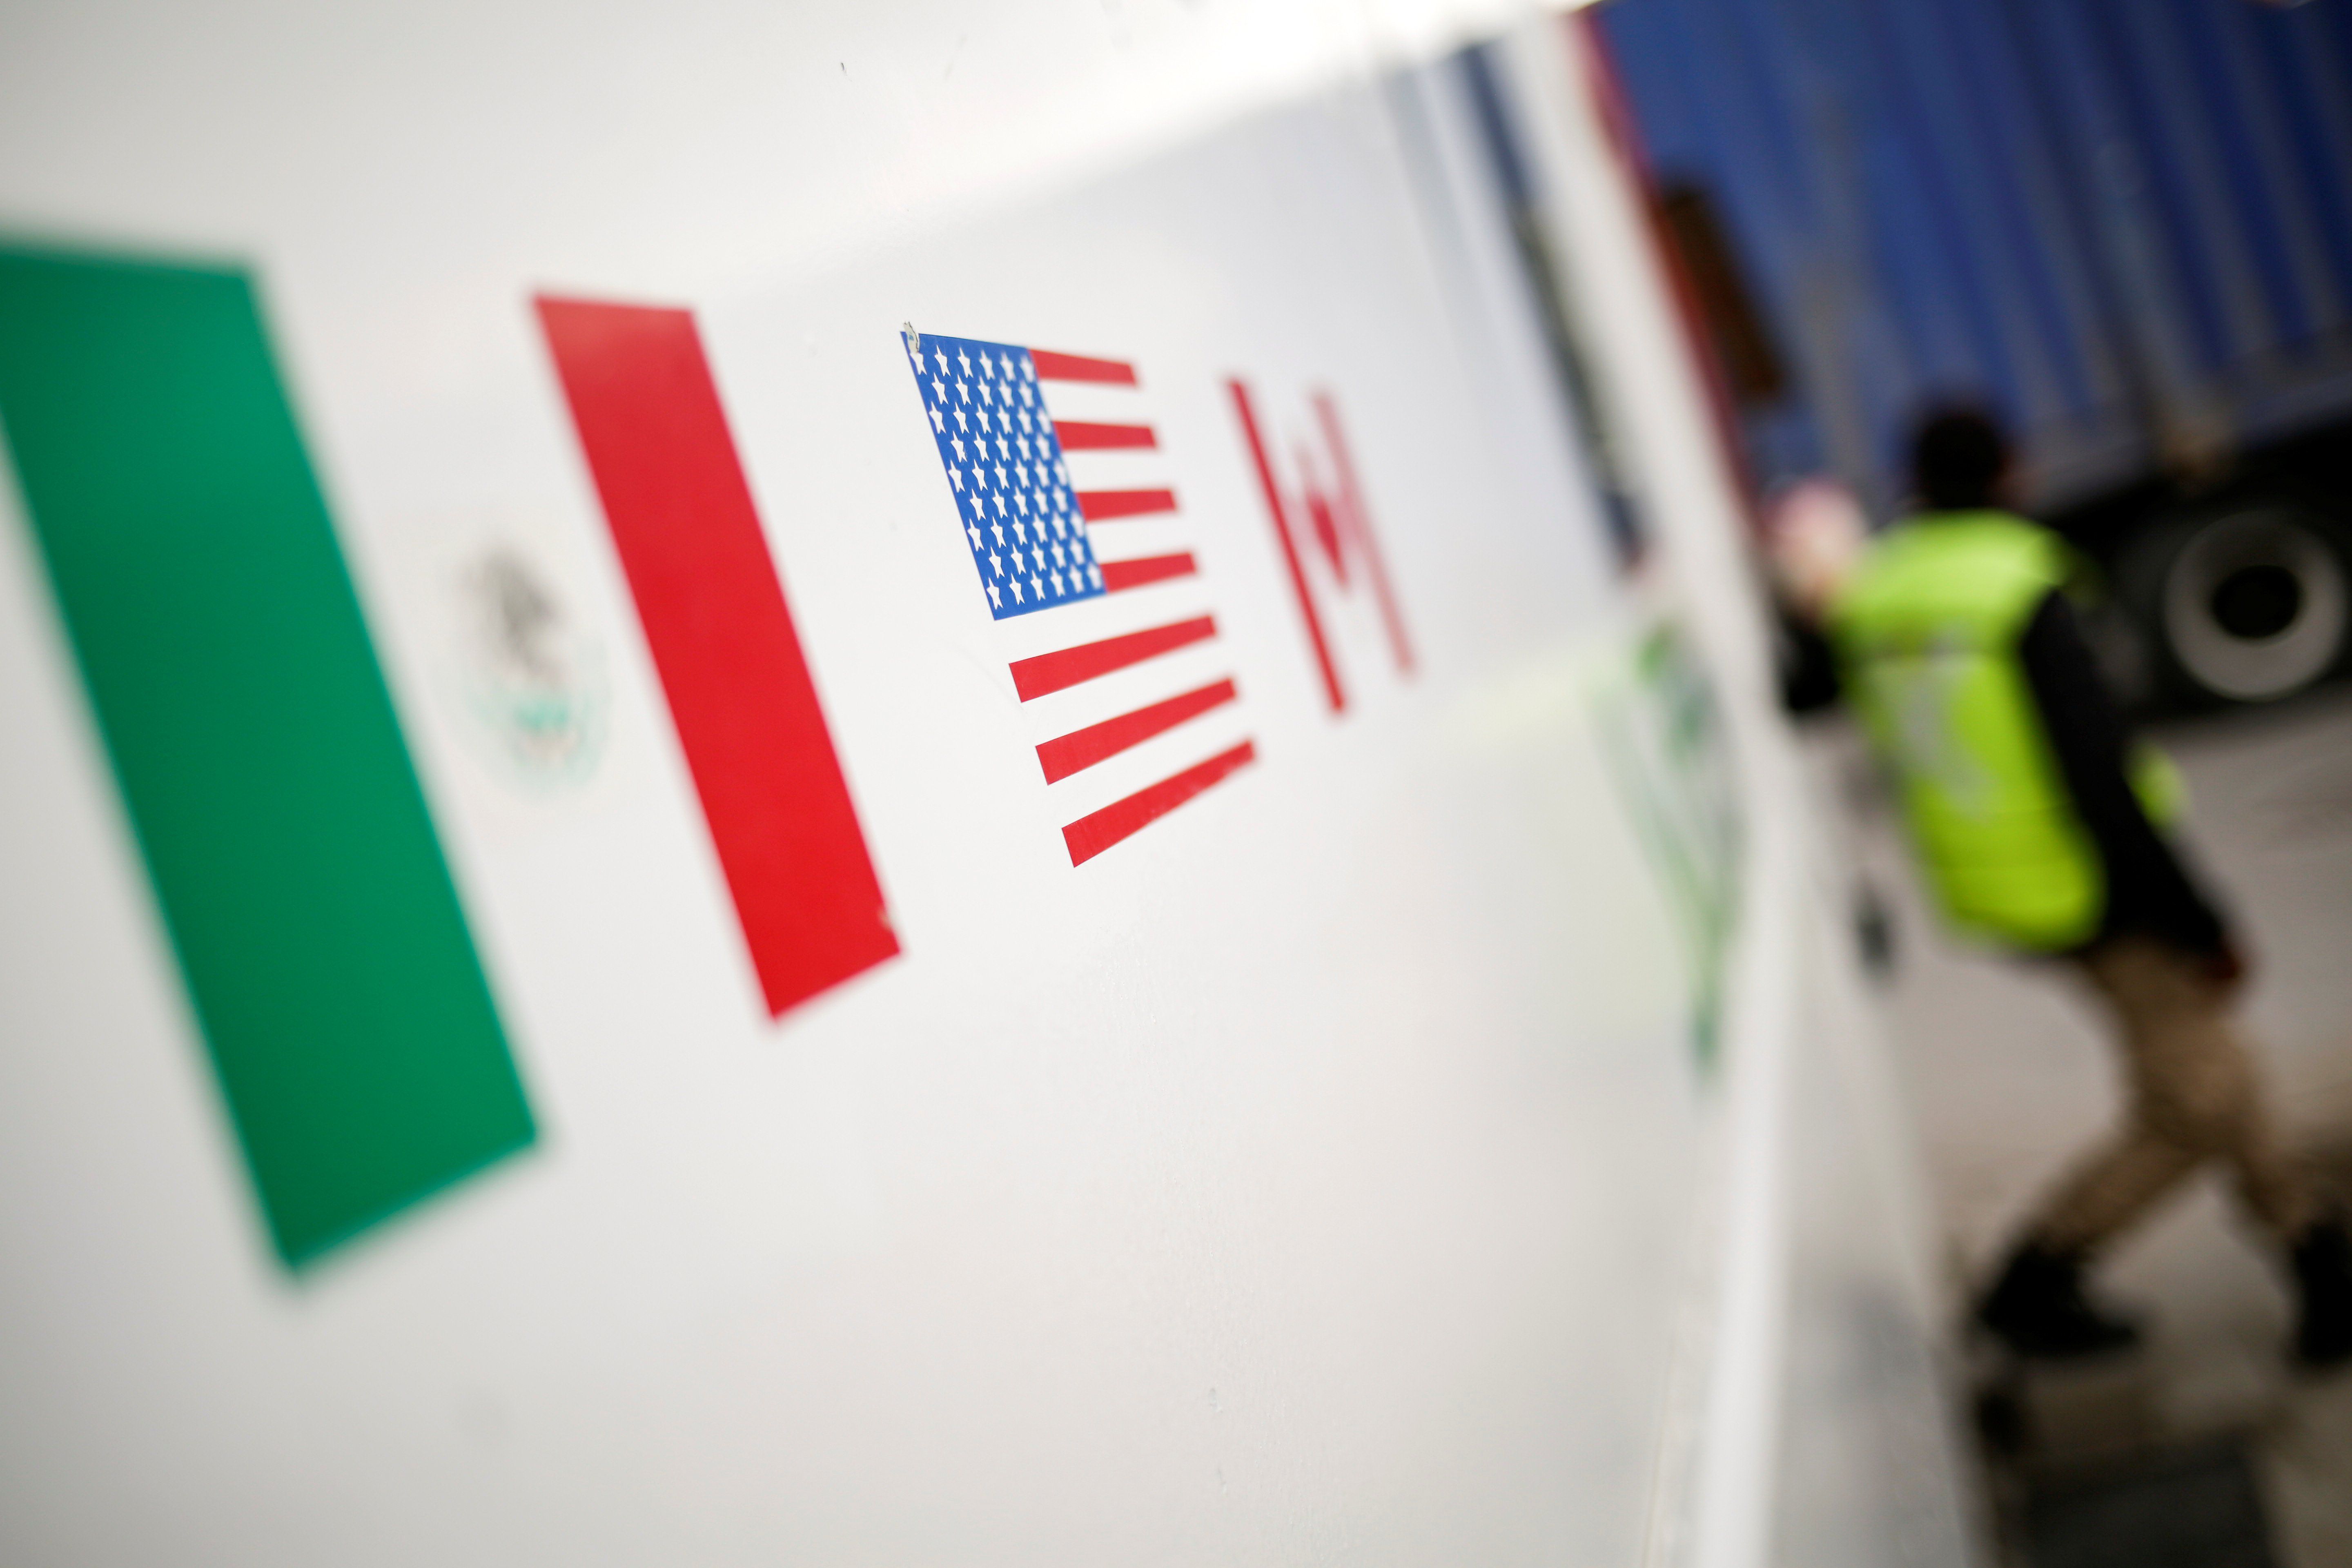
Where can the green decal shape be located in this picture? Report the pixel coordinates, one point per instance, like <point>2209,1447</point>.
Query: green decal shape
<point>1667,747</point>
<point>261,760</point>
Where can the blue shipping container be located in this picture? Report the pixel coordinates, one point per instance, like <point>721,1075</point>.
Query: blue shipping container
<point>2128,226</point>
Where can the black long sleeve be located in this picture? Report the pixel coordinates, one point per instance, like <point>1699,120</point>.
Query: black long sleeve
<point>1807,663</point>
<point>2149,890</point>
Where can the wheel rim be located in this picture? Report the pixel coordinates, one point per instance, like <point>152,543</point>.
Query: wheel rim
<point>2255,606</point>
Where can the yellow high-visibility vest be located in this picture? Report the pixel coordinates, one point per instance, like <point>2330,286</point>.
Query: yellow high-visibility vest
<point>1927,632</point>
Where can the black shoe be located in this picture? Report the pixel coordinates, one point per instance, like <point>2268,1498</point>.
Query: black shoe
<point>2038,1307</point>
<point>2323,1270</point>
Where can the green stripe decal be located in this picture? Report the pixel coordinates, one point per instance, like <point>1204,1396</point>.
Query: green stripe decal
<point>261,763</point>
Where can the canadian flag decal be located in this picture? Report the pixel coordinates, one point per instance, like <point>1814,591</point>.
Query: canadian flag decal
<point>1323,529</point>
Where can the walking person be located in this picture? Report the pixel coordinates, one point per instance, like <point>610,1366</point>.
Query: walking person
<point>2041,828</point>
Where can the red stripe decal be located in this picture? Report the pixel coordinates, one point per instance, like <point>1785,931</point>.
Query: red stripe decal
<point>1058,671</point>
<point>1082,749</point>
<point>1273,507</point>
<point>1077,435</point>
<point>721,635</point>
<point>1359,522</point>
<point>1052,366</point>
<point>1118,575</point>
<point>1089,835</point>
<point>1102,506</point>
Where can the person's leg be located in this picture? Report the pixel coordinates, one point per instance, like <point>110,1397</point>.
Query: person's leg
<point>2112,1186</point>
<point>2195,1095</point>
<point>2191,1099</point>
<point>2194,1083</point>
<point>2037,1304</point>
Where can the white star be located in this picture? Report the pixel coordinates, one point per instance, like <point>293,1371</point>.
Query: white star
<point>1021,531</point>
<point>1062,469</point>
<point>1029,367</point>
<point>1094,572</point>
<point>1000,477</point>
<point>963,392</point>
<point>1022,442</point>
<point>938,420</point>
<point>995,563</point>
<point>997,529</point>
<point>1021,503</point>
<point>961,423</point>
<point>939,390</point>
<point>975,535</point>
<point>1003,452</point>
<point>1016,590</point>
<point>956,442</point>
<point>964,359</point>
<point>998,500</point>
<point>1058,557</point>
<point>1058,590</point>
<point>1037,587</point>
<point>985,389</point>
<point>987,365</point>
<point>996,599</point>
<point>1040,559</point>
<point>941,355</point>
<point>955,478</point>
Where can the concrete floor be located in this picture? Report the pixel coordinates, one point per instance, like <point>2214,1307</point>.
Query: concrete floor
<point>2010,1077</point>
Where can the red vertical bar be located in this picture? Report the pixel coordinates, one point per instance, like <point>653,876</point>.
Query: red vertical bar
<point>1289,547</point>
<point>1360,523</point>
<point>1624,138</point>
<point>722,640</point>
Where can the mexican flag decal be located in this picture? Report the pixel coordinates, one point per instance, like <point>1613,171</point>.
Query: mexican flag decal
<point>260,761</point>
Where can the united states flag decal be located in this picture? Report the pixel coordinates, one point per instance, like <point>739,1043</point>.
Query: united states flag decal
<point>1073,527</point>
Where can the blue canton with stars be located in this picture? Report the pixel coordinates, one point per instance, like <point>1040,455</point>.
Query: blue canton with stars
<point>1012,488</point>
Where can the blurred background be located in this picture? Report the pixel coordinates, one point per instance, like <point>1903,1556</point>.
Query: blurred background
<point>2128,233</point>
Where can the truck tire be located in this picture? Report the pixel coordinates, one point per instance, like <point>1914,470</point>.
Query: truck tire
<point>2243,604</point>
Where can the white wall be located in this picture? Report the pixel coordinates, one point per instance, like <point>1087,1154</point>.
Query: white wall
<point>1326,1173</point>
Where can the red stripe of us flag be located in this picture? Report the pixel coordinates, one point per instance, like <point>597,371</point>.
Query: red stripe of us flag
<point>1074,523</point>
